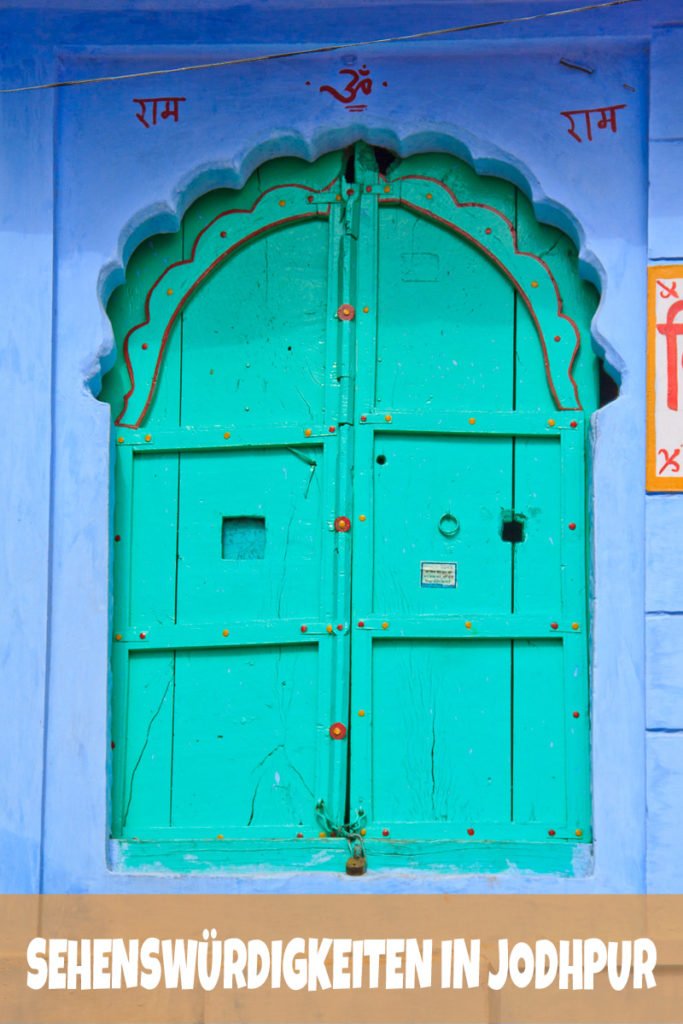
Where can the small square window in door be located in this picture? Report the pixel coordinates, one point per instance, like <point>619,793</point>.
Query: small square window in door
<point>243,537</point>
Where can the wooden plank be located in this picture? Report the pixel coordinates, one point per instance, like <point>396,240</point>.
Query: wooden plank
<point>577,717</point>
<point>254,334</point>
<point>146,790</point>
<point>338,483</point>
<point>560,858</point>
<point>267,632</point>
<point>424,489</point>
<point>441,734</point>
<point>480,422</point>
<point>433,283</point>
<point>154,539</point>
<point>537,566</point>
<point>539,778</point>
<point>280,488</point>
<point>505,424</point>
<point>245,735</point>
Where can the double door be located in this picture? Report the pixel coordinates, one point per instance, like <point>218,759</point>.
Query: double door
<point>346,591</point>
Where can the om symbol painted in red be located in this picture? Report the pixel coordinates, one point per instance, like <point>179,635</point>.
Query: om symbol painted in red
<point>359,81</point>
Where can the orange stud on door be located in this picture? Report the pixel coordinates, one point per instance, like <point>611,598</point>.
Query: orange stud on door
<point>346,312</point>
<point>337,730</point>
<point>342,524</point>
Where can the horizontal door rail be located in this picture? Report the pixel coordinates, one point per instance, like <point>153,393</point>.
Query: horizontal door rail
<point>473,423</point>
<point>294,631</point>
<point>180,439</point>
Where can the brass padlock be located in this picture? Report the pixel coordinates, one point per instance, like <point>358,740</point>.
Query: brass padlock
<point>356,864</point>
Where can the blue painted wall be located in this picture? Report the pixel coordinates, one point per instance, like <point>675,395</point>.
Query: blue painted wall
<point>83,182</point>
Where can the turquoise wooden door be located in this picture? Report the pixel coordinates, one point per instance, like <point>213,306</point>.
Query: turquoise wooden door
<point>350,555</point>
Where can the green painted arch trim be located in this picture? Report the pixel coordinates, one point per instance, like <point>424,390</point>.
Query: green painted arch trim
<point>485,227</point>
<point>490,231</point>
<point>145,344</point>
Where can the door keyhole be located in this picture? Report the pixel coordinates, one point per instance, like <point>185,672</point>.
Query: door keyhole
<point>513,530</point>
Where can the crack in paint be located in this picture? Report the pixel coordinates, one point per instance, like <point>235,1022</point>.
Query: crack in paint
<point>305,401</point>
<point>284,563</point>
<point>297,772</point>
<point>432,760</point>
<point>260,765</point>
<point>144,747</point>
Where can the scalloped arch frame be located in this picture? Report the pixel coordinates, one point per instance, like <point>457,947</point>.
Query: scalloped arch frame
<point>489,230</point>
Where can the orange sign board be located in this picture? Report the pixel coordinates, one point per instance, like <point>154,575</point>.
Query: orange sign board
<point>665,378</point>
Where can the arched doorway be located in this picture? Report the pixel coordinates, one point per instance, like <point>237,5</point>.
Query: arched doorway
<point>350,558</point>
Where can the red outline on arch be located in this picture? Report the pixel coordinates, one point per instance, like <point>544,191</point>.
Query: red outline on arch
<point>398,201</point>
<point>389,200</point>
<point>322,213</point>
